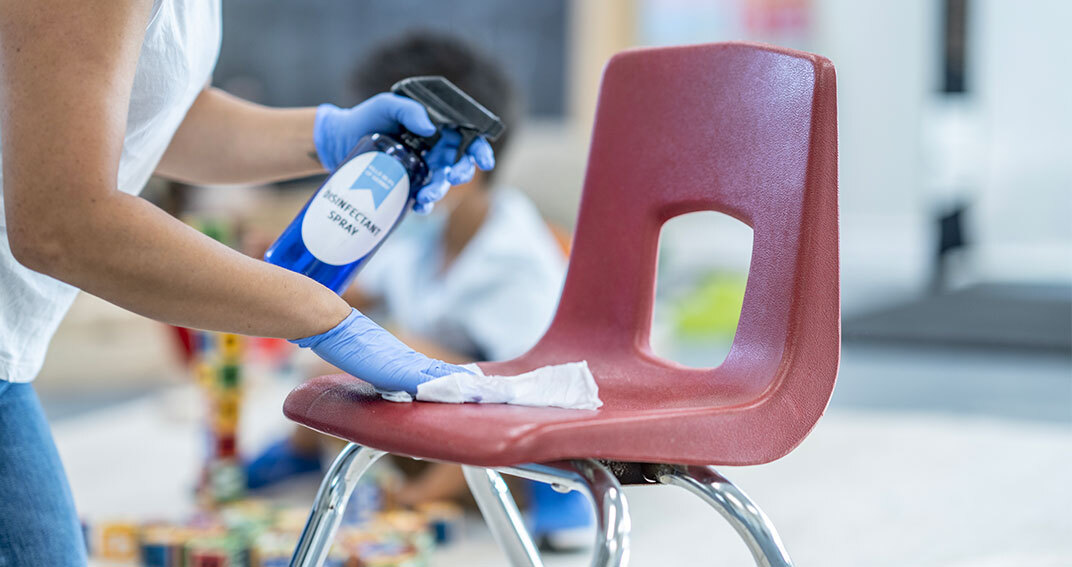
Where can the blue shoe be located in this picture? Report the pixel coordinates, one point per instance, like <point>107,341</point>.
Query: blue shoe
<point>279,462</point>
<point>559,522</point>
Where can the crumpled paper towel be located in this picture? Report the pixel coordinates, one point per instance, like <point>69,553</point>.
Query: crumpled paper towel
<point>569,385</point>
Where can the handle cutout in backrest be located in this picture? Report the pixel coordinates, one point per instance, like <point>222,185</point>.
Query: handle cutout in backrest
<point>701,273</point>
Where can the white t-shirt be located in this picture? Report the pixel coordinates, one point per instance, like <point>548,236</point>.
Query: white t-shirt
<point>498,296</point>
<point>178,54</point>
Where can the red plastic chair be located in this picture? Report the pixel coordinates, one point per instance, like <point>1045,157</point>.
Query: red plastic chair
<point>747,130</point>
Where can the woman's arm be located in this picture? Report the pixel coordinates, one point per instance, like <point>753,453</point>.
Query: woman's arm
<point>66,70</point>
<point>225,139</point>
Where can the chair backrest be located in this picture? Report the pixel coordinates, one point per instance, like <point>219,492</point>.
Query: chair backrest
<point>743,129</point>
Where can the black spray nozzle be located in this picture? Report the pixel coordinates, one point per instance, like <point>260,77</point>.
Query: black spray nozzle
<point>448,106</point>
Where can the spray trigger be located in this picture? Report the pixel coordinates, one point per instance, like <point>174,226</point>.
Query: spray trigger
<point>450,107</point>
<point>468,137</point>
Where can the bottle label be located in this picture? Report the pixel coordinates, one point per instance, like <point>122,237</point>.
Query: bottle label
<point>356,208</point>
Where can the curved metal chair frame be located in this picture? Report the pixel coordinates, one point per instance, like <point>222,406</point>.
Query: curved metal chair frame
<point>589,476</point>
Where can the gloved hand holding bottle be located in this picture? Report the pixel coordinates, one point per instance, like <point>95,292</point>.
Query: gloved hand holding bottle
<point>383,153</point>
<point>337,130</point>
<point>360,347</point>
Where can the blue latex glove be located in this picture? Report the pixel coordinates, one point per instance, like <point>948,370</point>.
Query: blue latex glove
<point>362,348</point>
<point>337,130</point>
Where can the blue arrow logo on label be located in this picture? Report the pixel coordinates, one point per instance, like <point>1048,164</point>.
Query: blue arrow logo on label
<point>380,176</point>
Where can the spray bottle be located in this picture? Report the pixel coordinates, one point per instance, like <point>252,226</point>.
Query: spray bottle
<point>363,200</point>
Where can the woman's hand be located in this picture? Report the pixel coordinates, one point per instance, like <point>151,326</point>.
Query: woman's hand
<point>363,349</point>
<point>336,131</point>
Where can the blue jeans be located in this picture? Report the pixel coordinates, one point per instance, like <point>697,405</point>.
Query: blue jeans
<point>38,523</point>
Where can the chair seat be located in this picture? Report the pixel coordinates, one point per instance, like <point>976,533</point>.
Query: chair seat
<point>639,422</point>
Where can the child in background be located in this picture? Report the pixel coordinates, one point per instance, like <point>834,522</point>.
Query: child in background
<point>479,279</point>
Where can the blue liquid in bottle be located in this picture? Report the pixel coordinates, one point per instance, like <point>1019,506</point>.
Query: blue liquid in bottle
<point>352,213</point>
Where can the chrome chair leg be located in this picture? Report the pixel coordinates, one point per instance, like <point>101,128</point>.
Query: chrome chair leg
<point>754,527</point>
<point>331,500</point>
<point>605,493</point>
<point>502,516</point>
<point>612,514</point>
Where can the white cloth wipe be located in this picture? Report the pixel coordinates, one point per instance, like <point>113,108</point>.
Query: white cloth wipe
<point>569,385</point>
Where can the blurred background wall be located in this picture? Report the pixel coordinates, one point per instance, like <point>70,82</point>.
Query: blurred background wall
<point>270,52</point>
